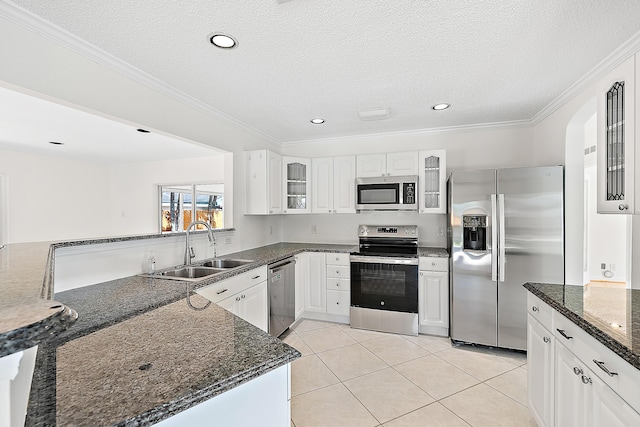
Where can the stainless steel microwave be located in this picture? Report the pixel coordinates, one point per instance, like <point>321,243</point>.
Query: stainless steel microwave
<point>387,193</point>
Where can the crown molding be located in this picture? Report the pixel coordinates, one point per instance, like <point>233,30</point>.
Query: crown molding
<point>515,124</point>
<point>24,18</point>
<point>615,58</point>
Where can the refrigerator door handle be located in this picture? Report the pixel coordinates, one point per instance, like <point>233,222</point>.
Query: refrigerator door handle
<point>502,256</point>
<point>494,238</point>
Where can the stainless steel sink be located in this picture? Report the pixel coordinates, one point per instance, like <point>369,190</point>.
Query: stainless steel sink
<point>225,263</point>
<point>201,271</point>
<point>189,273</point>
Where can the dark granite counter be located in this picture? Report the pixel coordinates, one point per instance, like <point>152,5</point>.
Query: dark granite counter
<point>137,336</point>
<point>27,315</point>
<point>167,355</point>
<point>609,314</point>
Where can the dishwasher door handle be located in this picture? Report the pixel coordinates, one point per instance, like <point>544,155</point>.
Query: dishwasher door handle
<point>278,266</point>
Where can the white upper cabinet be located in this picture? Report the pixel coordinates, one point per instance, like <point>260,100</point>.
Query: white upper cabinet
<point>344,184</point>
<point>322,185</point>
<point>616,139</point>
<point>263,183</point>
<point>296,173</point>
<point>432,181</point>
<point>387,164</point>
<point>333,184</point>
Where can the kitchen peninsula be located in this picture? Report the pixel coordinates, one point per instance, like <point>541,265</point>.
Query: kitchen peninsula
<point>139,354</point>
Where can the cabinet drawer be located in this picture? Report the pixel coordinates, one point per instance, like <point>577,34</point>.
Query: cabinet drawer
<point>338,302</point>
<point>623,378</point>
<point>228,287</point>
<point>539,310</point>
<point>430,263</point>
<point>337,284</point>
<point>337,259</point>
<point>338,271</point>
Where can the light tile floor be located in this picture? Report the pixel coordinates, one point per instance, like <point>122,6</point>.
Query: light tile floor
<point>351,377</point>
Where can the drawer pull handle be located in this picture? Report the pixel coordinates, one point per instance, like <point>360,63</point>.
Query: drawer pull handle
<point>586,380</point>
<point>577,371</point>
<point>602,366</point>
<point>254,278</point>
<point>564,333</point>
<point>222,291</point>
<point>534,308</point>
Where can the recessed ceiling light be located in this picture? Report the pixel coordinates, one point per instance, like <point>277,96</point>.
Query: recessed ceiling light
<point>56,143</point>
<point>317,121</point>
<point>439,107</point>
<point>223,41</point>
<point>143,130</point>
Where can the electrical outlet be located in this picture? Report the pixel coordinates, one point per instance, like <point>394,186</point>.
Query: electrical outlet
<point>440,231</point>
<point>314,229</point>
<point>227,241</point>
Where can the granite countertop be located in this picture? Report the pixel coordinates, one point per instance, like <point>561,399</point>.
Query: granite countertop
<point>27,314</point>
<point>168,355</point>
<point>609,314</point>
<point>136,336</point>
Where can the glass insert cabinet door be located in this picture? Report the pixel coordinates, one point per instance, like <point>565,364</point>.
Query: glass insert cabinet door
<point>432,174</point>
<point>616,140</point>
<point>296,173</point>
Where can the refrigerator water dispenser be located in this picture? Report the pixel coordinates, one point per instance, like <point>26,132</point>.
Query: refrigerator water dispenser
<point>475,232</point>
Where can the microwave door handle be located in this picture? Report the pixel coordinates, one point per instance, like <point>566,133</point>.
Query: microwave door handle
<point>502,257</point>
<point>494,238</point>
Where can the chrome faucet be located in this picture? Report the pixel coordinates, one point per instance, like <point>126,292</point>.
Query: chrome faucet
<point>188,251</point>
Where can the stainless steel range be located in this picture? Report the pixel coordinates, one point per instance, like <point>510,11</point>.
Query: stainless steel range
<point>384,279</point>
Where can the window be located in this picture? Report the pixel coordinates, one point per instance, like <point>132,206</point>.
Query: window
<point>180,204</point>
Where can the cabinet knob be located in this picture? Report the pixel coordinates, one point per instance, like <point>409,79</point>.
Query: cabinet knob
<point>534,308</point>
<point>546,339</point>
<point>586,380</point>
<point>577,371</point>
<point>337,285</point>
<point>243,296</point>
<point>337,258</point>
<point>237,298</point>
<point>623,207</point>
<point>433,264</point>
<point>338,303</point>
<point>270,212</point>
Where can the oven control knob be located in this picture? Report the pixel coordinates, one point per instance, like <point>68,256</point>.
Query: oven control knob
<point>381,302</point>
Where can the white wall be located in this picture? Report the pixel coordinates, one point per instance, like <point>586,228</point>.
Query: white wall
<point>134,190</point>
<point>605,234</point>
<point>54,199</point>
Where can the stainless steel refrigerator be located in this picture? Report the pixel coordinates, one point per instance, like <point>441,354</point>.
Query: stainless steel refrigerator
<point>506,228</point>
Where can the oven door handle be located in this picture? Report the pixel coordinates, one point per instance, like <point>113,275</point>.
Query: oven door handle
<point>383,260</point>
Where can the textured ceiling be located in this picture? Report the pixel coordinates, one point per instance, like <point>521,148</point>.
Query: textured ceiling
<point>494,61</point>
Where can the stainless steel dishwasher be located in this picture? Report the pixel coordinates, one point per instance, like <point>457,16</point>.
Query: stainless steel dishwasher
<point>282,295</point>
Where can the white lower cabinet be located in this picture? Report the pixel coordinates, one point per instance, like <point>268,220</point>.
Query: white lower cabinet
<point>313,281</point>
<point>338,284</point>
<point>433,296</point>
<point>571,388</point>
<point>244,295</point>
<point>250,305</point>
<point>325,282</point>
<point>540,370</point>
<point>574,380</point>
